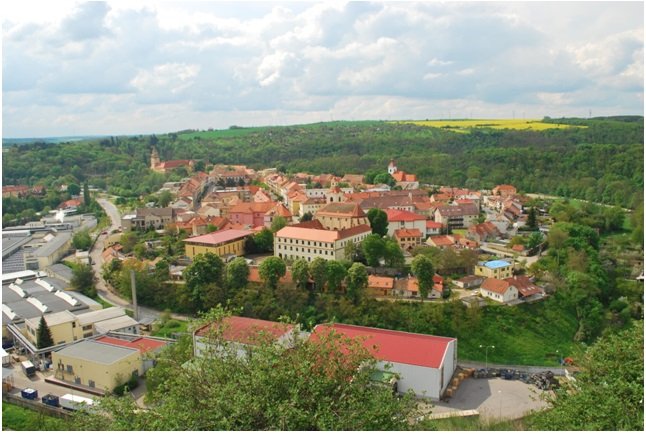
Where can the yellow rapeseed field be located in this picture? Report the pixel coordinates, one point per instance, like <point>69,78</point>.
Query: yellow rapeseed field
<point>513,124</point>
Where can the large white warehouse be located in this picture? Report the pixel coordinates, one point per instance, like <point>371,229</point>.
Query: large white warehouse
<point>424,363</point>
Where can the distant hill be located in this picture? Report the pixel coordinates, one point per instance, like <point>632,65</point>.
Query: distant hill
<point>8,141</point>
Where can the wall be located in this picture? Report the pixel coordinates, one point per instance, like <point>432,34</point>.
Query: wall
<point>424,381</point>
<point>231,248</point>
<point>105,377</point>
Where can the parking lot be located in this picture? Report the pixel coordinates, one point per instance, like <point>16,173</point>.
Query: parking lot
<point>493,398</point>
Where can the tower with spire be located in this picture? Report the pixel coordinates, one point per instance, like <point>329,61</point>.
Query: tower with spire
<point>392,167</point>
<point>154,159</point>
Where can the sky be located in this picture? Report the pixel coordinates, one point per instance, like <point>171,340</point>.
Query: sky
<point>140,67</point>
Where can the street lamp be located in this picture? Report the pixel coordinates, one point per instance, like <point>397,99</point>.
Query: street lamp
<point>486,347</point>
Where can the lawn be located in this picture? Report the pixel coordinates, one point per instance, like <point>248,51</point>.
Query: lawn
<point>22,419</point>
<point>171,326</point>
<point>464,125</point>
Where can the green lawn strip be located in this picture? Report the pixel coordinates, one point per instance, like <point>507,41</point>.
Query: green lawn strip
<point>522,335</point>
<point>23,419</point>
<point>171,326</point>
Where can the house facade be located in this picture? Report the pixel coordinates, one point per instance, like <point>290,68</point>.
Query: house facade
<point>221,243</point>
<point>499,269</point>
<point>292,242</point>
<point>498,290</point>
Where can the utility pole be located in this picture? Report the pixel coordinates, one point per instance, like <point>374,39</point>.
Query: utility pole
<point>133,285</point>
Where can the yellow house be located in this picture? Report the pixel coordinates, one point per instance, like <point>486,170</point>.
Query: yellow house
<point>63,326</point>
<point>97,365</point>
<point>497,269</point>
<point>222,243</point>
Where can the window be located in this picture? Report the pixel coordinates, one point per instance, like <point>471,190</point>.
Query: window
<point>87,327</point>
<point>69,369</point>
<point>91,383</point>
<point>77,380</point>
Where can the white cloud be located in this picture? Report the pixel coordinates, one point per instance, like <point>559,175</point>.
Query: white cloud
<point>131,61</point>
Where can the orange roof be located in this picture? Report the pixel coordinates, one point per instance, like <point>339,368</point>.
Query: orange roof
<point>495,285</point>
<point>380,282</point>
<point>518,247</point>
<point>442,240</point>
<point>401,233</point>
<point>400,176</point>
<point>524,285</point>
<point>219,237</point>
<point>320,235</point>
<point>247,330</point>
<point>343,209</point>
<point>142,344</point>
<point>397,215</point>
<point>279,210</point>
<point>430,224</point>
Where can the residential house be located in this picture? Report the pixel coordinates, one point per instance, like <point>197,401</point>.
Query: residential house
<point>380,285</point>
<point>499,269</point>
<point>408,238</point>
<point>498,290</point>
<point>338,216</point>
<point>457,216</point>
<point>15,190</point>
<point>469,282</point>
<point>504,190</point>
<point>406,181</point>
<point>424,364</point>
<point>311,205</point>
<point>231,175</point>
<point>294,242</point>
<point>278,210</point>
<point>482,232</point>
<point>254,276</point>
<point>409,287</point>
<point>433,228</point>
<point>251,214</point>
<point>146,218</point>
<point>399,219</point>
<point>525,286</point>
<point>441,241</point>
<point>222,243</point>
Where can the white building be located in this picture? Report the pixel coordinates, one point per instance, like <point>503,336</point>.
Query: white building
<point>498,290</point>
<point>399,219</point>
<point>294,242</point>
<point>424,363</point>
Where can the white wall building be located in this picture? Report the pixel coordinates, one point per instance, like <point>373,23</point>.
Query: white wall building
<point>424,363</point>
<point>293,242</point>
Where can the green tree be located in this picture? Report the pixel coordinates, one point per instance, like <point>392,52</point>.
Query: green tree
<point>393,255</point>
<point>318,271</point>
<point>423,269</point>
<point>307,217</point>
<point>86,195</point>
<point>534,239</point>
<point>300,273</point>
<point>357,282</point>
<point>277,224</point>
<point>81,240</point>
<point>206,271</point>
<point>384,178</point>
<point>335,273</point>
<point>373,247</point>
<point>532,219</point>
<point>319,384</point>
<point>83,279</point>
<point>264,240</point>
<point>44,334</point>
<point>271,270</point>
<point>609,391</point>
<point>613,219</point>
<point>73,189</point>
<point>378,221</point>
<point>237,272</point>
<point>165,197</point>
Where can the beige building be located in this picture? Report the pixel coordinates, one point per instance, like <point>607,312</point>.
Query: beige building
<point>63,326</point>
<point>457,216</point>
<point>338,216</point>
<point>96,365</point>
<point>293,242</point>
<point>497,269</point>
<point>222,243</point>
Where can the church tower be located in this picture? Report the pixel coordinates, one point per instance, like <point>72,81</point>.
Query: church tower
<point>392,168</point>
<point>154,159</point>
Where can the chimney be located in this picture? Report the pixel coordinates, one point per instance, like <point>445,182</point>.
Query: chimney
<point>133,285</point>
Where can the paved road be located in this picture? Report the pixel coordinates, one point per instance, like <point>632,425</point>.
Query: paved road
<point>103,288</point>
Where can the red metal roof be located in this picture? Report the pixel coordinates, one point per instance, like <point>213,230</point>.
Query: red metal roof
<point>219,236</point>
<point>394,346</point>
<point>247,330</point>
<point>142,344</point>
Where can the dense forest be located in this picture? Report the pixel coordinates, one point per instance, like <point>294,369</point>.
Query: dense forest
<point>598,159</point>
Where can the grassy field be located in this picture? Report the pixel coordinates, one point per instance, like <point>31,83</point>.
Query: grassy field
<point>465,125</point>
<point>475,424</point>
<point>22,419</point>
<point>171,326</point>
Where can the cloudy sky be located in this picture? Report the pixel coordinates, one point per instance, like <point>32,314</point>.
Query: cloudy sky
<point>71,68</point>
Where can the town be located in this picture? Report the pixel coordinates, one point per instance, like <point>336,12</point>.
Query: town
<point>311,231</point>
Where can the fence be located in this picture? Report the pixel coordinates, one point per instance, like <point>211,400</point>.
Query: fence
<point>36,406</point>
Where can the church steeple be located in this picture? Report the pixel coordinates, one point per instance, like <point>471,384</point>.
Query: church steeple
<point>154,159</point>
<point>392,167</point>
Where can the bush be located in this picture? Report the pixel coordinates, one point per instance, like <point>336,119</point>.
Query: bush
<point>127,386</point>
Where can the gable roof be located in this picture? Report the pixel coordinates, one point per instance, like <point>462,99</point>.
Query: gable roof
<point>397,215</point>
<point>219,236</point>
<point>524,285</point>
<point>394,346</point>
<point>325,236</point>
<point>401,233</point>
<point>247,330</point>
<point>380,282</point>
<point>342,209</point>
<point>458,210</point>
<point>495,285</point>
<point>144,345</point>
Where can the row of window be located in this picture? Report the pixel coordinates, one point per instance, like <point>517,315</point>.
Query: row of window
<point>315,251</point>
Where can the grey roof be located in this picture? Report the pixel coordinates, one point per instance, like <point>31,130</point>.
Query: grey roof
<point>114,324</point>
<point>458,210</point>
<point>14,262</point>
<point>62,271</point>
<point>59,240</point>
<point>12,242</point>
<point>101,315</point>
<point>96,352</point>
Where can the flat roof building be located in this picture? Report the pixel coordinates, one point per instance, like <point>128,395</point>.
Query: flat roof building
<point>221,243</point>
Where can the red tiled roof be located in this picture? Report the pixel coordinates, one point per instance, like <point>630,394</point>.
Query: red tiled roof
<point>254,275</point>
<point>247,330</point>
<point>430,224</point>
<point>442,240</point>
<point>380,282</point>
<point>394,346</point>
<point>320,235</point>
<point>524,285</point>
<point>343,209</point>
<point>252,207</point>
<point>142,344</point>
<point>401,233</point>
<point>396,215</point>
<point>400,176</point>
<point>495,285</point>
<point>219,236</point>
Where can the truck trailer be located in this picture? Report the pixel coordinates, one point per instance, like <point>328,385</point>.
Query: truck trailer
<point>75,402</point>
<point>28,368</point>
